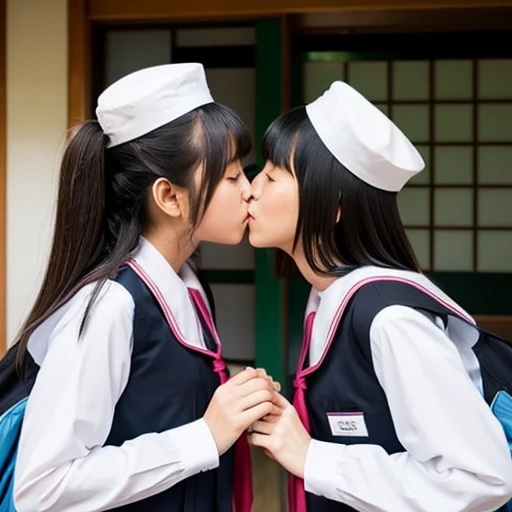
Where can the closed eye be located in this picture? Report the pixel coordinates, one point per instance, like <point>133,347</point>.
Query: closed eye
<point>269,178</point>
<point>234,178</point>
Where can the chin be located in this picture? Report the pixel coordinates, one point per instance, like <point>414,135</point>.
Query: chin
<point>258,242</point>
<point>233,239</point>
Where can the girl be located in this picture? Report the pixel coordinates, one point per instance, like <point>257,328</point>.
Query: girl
<point>126,411</point>
<point>392,417</point>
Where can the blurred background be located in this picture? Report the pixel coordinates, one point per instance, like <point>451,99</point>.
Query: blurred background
<point>441,69</point>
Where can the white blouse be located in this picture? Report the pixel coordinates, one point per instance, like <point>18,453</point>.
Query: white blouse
<point>62,463</point>
<point>456,459</point>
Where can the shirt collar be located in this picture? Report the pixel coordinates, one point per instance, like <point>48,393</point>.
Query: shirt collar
<point>173,287</point>
<point>326,303</point>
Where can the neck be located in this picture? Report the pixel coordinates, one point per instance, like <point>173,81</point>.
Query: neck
<point>317,281</point>
<point>175,247</point>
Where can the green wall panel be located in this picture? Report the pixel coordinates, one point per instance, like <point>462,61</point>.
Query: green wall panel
<point>270,344</point>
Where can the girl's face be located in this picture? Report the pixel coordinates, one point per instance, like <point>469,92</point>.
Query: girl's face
<point>226,217</point>
<point>274,209</point>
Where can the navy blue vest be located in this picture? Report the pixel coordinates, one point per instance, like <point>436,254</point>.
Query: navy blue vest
<point>169,385</point>
<point>346,380</point>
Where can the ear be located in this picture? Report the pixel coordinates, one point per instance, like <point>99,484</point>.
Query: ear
<point>338,214</point>
<point>169,198</point>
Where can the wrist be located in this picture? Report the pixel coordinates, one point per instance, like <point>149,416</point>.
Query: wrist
<point>210,425</point>
<point>301,463</point>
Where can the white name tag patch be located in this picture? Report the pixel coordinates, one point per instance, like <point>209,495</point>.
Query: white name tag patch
<point>347,424</point>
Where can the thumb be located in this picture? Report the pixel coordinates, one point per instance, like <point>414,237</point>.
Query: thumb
<point>280,401</point>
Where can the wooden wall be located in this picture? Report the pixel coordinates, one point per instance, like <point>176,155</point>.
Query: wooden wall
<point>498,324</point>
<point>108,10</point>
<point>3,176</point>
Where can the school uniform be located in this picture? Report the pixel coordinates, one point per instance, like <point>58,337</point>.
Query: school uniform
<point>390,391</point>
<point>392,399</point>
<point>114,420</point>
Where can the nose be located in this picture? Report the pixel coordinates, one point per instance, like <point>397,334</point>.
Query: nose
<point>246,190</point>
<point>256,187</point>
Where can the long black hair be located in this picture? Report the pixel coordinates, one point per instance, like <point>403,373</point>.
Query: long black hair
<point>103,194</point>
<point>369,230</point>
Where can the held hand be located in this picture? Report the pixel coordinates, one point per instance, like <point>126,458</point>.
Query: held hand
<point>238,403</point>
<point>283,435</point>
<point>262,373</point>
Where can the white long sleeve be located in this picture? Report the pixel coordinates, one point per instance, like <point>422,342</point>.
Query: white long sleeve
<point>62,464</point>
<point>456,457</point>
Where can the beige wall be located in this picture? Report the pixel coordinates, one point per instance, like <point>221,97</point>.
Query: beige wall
<point>36,124</point>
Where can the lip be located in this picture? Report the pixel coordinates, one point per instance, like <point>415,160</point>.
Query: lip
<point>249,217</point>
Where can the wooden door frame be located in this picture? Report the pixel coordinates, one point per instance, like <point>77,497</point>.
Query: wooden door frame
<point>3,180</point>
<point>159,10</point>
<point>79,61</point>
<point>82,14</point>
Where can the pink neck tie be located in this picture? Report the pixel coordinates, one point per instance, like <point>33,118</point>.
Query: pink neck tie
<point>242,481</point>
<point>296,492</point>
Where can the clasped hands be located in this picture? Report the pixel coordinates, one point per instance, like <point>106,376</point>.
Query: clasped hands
<point>282,436</point>
<point>250,401</point>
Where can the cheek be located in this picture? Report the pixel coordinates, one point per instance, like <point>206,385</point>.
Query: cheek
<point>283,210</point>
<point>223,221</point>
<point>277,214</point>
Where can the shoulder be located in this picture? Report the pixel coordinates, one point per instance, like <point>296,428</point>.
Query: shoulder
<point>370,300</point>
<point>113,307</point>
<point>386,292</point>
<point>397,315</point>
<point>383,305</point>
<point>404,330</point>
<point>112,301</point>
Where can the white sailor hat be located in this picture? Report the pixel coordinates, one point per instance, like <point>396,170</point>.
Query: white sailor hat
<point>147,99</point>
<point>363,139</point>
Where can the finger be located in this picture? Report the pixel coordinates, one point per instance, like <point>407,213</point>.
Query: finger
<point>280,401</point>
<point>243,377</point>
<point>255,398</point>
<point>274,411</point>
<point>260,440</point>
<point>264,375</point>
<point>254,385</point>
<point>263,427</point>
<point>254,414</point>
<point>271,418</point>
<point>262,372</point>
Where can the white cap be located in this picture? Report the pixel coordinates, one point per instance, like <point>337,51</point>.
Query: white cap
<point>147,99</point>
<point>363,139</point>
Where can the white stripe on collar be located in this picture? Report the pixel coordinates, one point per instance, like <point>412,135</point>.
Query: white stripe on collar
<point>174,290</point>
<point>326,305</point>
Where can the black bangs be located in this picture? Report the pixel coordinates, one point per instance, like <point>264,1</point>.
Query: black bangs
<point>282,138</point>
<point>224,140</point>
<point>222,128</point>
